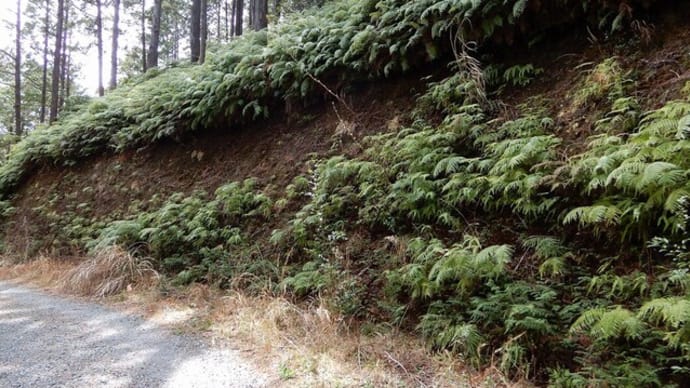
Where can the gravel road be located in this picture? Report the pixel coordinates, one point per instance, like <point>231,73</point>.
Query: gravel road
<point>50,341</point>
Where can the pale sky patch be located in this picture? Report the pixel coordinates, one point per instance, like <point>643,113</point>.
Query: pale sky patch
<point>86,60</point>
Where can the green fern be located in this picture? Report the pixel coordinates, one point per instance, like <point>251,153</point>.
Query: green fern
<point>444,333</point>
<point>552,254</point>
<point>606,79</point>
<point>598,215</point>
<point>609,323</point>
<point>521,75</point>
<point>640,179</point>
<point>674,314</point>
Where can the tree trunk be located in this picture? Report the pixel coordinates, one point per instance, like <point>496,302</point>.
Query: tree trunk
<point>227,19</point>
<point>176,43</point>
<point>18,125</point>
<point>258,14</point>
<point>143,36</point>
<point>152,60</point>
<point>233,11</point>
<point>44,82</point>
<point>219,17</point>
<point>261,14</point>
<point>68,73</point>
<point>195,35</point>
<point>238,6</point>
<point>99,35</point>
<point>203,31</point>
<point>113,52</point>
<point>55,84</point>
<point>63,56</point>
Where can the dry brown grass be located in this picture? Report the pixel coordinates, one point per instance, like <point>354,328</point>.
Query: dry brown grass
<point>108,272</point>
<point>305,346</point>
<point>312,347</point>
<point>43,271</point>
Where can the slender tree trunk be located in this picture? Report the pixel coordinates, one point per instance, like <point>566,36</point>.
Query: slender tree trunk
<point>203,30</point>
<point>68,72</point>
<point>219,17</point>
<point>195,35</point>
<point>173,53</point>
<point>99,35</point>
<point>18,125</point>
<point>55,87</point>
<point>233,11</point>
<point>63,68</point>
<point>113,52</point>
<point>143,36</point>
<point>227,19</point>
<point>44,81</point>
<point>215,11</point>
<point>152,60</point>
<point>176,45</point>
<point>239,16</point>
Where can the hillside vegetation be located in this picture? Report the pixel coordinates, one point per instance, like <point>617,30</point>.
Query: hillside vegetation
<point>537,226</point>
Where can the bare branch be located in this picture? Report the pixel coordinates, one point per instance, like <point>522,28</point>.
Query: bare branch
<point>7,53</point>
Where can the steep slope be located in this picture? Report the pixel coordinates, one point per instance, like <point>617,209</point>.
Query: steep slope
<point>109,186</point>
<point>529,215</point>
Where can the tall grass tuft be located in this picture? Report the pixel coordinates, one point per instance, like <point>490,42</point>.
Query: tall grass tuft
<point>108,272</point>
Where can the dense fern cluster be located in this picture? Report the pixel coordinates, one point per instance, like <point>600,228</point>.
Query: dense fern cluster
<point>192,236</point>
<point>637,179</point>
<point>512,300</point>
<point>345,41</point>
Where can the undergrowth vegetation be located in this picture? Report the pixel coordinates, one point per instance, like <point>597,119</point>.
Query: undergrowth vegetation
<point>193,236</point>
<point>518,294</point>
<point>343,42</point>
<point>485,231</point>
<point>478,232</point>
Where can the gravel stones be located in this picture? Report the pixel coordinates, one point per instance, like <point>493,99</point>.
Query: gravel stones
<point>51,341</point>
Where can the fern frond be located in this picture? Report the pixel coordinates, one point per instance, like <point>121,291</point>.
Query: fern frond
<point>519,8</point>
<point>661,174</point>
<point>553,267</point>
<point>593,215</point>
<point>446,334</point>
<point>544,246</point>
<point>673,311</point>
<point>609,323</point>
<point>451,165</point>
<point>674,314</point>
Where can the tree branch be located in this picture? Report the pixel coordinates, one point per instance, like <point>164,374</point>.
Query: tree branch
<point>7,53</point>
